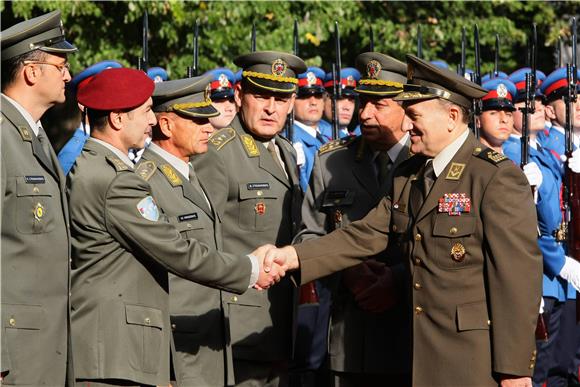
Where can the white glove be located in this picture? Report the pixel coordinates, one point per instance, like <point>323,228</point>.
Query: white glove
<point>542,305</point>
<point>300,156</point>
<point>574,161</point>
<point>533,173</point>
<point>571,272</point>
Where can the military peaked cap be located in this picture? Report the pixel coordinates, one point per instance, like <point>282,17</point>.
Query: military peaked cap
<point>43,33</point>
<point>187,97</point>
<point>427,81</point>
<point>382,75</point>
<point>271,70</point>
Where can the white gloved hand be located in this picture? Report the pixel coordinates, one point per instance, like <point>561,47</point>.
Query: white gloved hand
<point>571,272</point>
<point>534,174</point>
<point>542,305</point>
<point>574,161</point>
<point>300,155</point>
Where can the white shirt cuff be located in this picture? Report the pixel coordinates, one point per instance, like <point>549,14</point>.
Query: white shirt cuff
<point>255,270</point>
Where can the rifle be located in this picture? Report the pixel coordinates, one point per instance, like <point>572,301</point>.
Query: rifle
<point>526,110</point>
<point>476,77</point>
<point>337,87</point>
<point>461,68</point>
<point>290,119</point>
<point>559,53</point>
<point>371,39</point>
<point>496,57</point>
<point>253,39</point>
<point>192,71</point>
<point>419,42</point>
<point>143,63</point>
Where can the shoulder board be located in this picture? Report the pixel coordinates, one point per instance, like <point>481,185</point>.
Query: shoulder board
<point>117,163</point>
<point>145,169</point>
<point>25,133</point>
<point>171,175</point>
<point>250,145</point>
<point>336,144</point>
<point>489,155</point>
<point>222,137</point>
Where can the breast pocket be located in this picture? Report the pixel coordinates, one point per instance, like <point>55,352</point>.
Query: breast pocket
<point>36,206</point>
<point>193,225</point>
<point>451,247</point>
<point>256,207</point>
<point>399,228</point>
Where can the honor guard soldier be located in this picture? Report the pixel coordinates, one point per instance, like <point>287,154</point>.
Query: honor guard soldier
<point>35,237</point>
<point>250,174</point>
<point>157,74</point>
<point>183,109</point>
<point>346,104</point>
<point>222,97</point>
<point>308,110</point>
<point>73,147</point>
<point>368,339</point>
<point>475,288</point>
<point>496,120</point>
<point>124,244</point>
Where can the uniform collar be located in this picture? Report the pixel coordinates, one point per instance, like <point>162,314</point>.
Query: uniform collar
<point>27,116</point>
<point>181,166</point>
<point>124,157</point>
<point>446,155</point>
<point>308,129</point>
<point>398,147</point>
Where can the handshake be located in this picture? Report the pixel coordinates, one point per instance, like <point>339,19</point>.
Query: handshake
<point>274,262</point>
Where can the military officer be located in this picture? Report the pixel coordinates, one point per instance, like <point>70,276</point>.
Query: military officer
<point>308,110</point>
<point>475,288</point>
<point>250,174</point>
<point>73,147</point>
<point>346,104</point>
<point>183,108</point>
<point>350,176</point>
<point>123,244</point>
<point>35,238</point>
<point>222,97</point>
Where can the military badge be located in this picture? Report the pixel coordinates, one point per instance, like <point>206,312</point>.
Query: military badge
<point>454,203</point>
<point>350,82</point>
<point>223,80</point>
<point>458,252</point>
<point>279,67</point>
<point>373,69</point>
<point>148,209</point>
<point>207,92</point>
<point>501,90</point>
<point>260,208</point>
<point>171,175</point>
<point>38,211</point>
<point>455,171</point>
<point>311,78</point>
<point>250,145</point>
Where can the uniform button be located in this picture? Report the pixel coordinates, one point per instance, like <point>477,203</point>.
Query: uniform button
<point>534,352</point>
<point>417,261</point>
<point>259,193</point>
<point>69,294</point>
<point>173,327</point>
<point>12,322</point>
<point>35,189</point>
<point>417,237</point>
<point>70,260</point>
<point>531,366</point>
<point>453,230</point>
<point>417,285</point>
<point>147,320</point>
<point>394,227</point>
<point>234,299</point>
<point>488,323</point>
<point>189,225</point>
<point>418,310</point>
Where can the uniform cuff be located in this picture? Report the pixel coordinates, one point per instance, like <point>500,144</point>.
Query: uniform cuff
<point>255,270</point>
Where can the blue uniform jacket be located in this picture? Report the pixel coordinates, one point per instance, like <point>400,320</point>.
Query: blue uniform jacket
<point>310,145</point>
<point>549,216</point>
<point>70,151</point>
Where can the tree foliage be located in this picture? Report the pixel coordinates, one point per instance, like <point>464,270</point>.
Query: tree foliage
<point>112,29</point>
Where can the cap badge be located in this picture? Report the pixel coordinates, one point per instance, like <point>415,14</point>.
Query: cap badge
<point>311,78</point>
<point>502,91</point>
<point>350,82</point>
<point>207,92</point>
<point>373,69</point>
<point>279,67</point>
<point>223,80</point>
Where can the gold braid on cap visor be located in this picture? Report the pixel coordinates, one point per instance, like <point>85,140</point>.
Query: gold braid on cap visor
<point>270,77</point>
<point>191,105</point>
<point>380,82</point>
<point>411,88</point>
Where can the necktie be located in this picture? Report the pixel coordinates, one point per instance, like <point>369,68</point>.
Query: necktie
<point>384,165</point>
<point>428,178</point>
<point>41,136</point>
<point>320,138</point>
<point>272,150</point>
<point>422,186</point>
<point>194,181</point>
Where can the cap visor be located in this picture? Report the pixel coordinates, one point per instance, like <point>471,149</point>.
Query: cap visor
<point>383,91</point>
<point>222,95</point>
<point>200,112</point>
<point>60,47</point>
<point>274,86</point>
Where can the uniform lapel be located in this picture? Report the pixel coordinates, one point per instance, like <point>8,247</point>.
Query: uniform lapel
<point>446,183</point>
<point>267,163</point>
<point>364,171</point>
<point>289,162</point>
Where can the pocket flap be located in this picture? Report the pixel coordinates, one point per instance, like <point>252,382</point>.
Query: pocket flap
<point>338,198</point>
<point>255,191</point>
<point>472,316</point>
<point>31,186</point>
<point>143,315</point>
<point>193,223</point>
<point>22,316</point>
<point>399,221</point>
<point>453,226</point>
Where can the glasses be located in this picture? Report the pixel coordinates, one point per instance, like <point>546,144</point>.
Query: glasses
<point>63,68</point>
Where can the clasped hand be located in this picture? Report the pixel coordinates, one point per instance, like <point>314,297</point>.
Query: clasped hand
<point>274,262</point>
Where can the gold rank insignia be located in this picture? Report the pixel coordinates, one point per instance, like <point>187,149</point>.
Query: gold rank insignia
<point>494,156</point>
<point>38,211</point>
<point>455,171</point>
<point>25,133</point>
<point>458,252</point>
<point>250,145</point>
<point>260,208</point>
<point>171,175</point>
<point>145,170</point>
<point>222,137</point>
<point>117,163</point>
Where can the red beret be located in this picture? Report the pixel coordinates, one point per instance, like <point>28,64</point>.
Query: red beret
<point>116,89</point>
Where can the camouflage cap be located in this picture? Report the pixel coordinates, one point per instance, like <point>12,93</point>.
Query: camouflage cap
<point>271,70</point>
<point>43,33</point>
<point>426,81</point>
<point>382,75</point>
<point>187,97</point>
